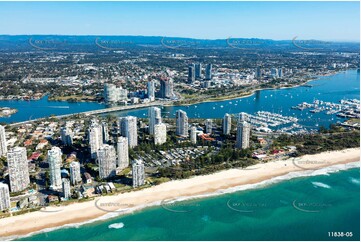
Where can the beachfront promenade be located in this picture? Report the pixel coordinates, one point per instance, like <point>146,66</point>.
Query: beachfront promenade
<point>101,111</point>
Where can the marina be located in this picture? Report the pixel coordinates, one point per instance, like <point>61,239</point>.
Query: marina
<point>263,121</point>
<point>346,108</point>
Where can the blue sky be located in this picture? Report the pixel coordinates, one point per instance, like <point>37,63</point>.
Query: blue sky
<point>208,20</point>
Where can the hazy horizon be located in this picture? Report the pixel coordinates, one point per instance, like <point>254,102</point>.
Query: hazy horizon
<point>158,36</point>
<point>327,21</point>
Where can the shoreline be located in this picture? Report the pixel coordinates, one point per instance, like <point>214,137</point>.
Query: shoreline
<point>194,187</point>
<point>252,92</point>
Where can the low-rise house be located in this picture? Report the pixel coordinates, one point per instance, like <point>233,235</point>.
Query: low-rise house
<point>34,200</point>
<point>42,144</point>
<point>262,141</point>
<point>88,178</point>
<point>23,203</point>
<point>34,156</point>
<point>111,185</point>
<point>28,142</point>
<point>52,198</point>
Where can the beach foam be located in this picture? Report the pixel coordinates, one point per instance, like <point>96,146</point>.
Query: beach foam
<point>116,226</point>
<point>354,180</point>
<point>265,183</point>
<point>320,184</point>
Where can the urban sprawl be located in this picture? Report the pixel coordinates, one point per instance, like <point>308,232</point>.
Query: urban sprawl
<point>61,160</point>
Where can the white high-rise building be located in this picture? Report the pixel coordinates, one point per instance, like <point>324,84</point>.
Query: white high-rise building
<point>122,153</point>
<point>155,117</point>
<point>4,197</point>
<point>75,175</point>
<point>55,162</point>
<point>243,117</point>
<point>243,135</point>
<point>151,90</point>
<point>193,135</point>
<point>209,125</point>
<point>227,124</point>
<point>181,123</point>
<point>113,94</point>
<point>160,133</point>
<point>3,146</point>
<point>66,136</point>
<point>105,132</point>
<point>107,161</point>
<point>128,127</point>
<point>138,173</point>
<point>66,188</point>
<point>18,169</point>
<point>95,138</point>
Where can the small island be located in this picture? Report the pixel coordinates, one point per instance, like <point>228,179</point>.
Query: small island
<point>7,112</point>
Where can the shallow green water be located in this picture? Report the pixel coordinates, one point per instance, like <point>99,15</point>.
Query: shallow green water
<point>305,208</point>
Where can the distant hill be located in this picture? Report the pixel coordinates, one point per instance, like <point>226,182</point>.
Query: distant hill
<point>112,43</point>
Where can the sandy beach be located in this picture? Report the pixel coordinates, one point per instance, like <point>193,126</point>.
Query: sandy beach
<point>82,212</point>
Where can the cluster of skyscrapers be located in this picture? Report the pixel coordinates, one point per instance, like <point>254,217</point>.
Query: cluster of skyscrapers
<point>109,158</point>
<point>165,91</point>
<point>195,72</point>
<point>57,183</point>
<point>113,94</point>
<point>275,73</point>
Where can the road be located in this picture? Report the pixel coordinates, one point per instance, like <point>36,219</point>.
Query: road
<point>100,111</point>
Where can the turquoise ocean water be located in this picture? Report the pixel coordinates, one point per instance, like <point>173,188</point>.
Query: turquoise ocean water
<point>301,208</point>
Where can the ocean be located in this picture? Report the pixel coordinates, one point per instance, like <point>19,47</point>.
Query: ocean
<point>299,206</point>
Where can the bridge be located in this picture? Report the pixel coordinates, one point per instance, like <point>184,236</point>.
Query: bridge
<point>100,111</point>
